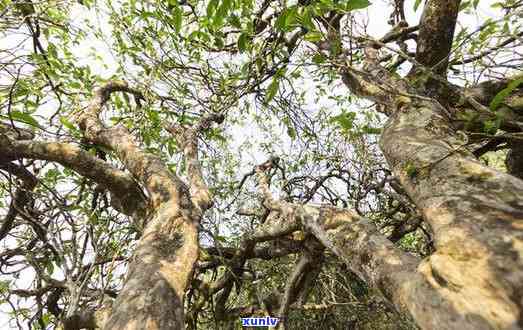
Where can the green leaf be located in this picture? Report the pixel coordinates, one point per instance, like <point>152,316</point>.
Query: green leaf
<point>211,8</point>
<point>357,4</point>
<point>243,42</point>
<point>50,268</point>
<point>291,132</point>
<point>464,5</point>
<point>4,286</point>
<point>306,19</point>
<point>491,126</point>
<point>416,4</point>
<point>147,14</point>
<point>219,42</point>
<point>371,130</point>
<point>272,89</point>
<point>70,126</point>
<point>291,16</point>
<point>280,21</point>
<point>411,169</point>
<point>177,18</point>
<point>235,21</point>
<point>75,85</point>
<point>290,129</point>
<point>502,95</point>
<point>313,36</point>
<point>46,318</point>
<point>287,19</point>
<point>344,120</point>
<point>475,3</point>
<point>335,47</point>
<point>318,58</point>
<point>24,118</point>
<point>221,13</point>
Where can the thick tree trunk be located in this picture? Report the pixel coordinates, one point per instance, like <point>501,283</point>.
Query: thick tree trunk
<point>474,280</point>
<point>406,281</point>
<point>163,262</point>
<point>476,214</point>
<point>434,43</point>
<point>514,160</point>
<point>159,273</point>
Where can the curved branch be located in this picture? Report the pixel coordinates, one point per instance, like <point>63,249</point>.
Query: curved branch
<point>123,187</point>
<point>436,33</point>
<point>291,293</point>
<point>163,262</point>
<point>188,139</point>
<point>22,195</point>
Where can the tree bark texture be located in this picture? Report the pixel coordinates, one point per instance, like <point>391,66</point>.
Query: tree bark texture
<point>163,262</point>
<point>474,280</point>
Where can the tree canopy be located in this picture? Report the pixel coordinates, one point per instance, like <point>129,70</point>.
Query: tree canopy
<point>338,164</point>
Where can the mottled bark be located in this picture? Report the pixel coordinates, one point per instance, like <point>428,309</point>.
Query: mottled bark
<point>509,113</point>
<point>88,319</point>
<point>514,160</point>
<point>476,214</point>
<point>437,25</point>
<point>127,196</point>
<point>187,137</point>
<point>371,256</point>
<point>295,285</point>
<point>434,43</point>
<point>163,262</point>
<point>512,109</point>
<point>474,280</point>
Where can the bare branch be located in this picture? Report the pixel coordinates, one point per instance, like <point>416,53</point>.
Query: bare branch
<point>22,195</point>
<point>127,194</point>
<point>188,140</point>
<point>290,293</point>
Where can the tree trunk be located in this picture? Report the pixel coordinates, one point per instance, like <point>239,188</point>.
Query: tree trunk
<point>514,160</point>
<point>476,214</point>
<point>474,280</point>
<point>163,262</point>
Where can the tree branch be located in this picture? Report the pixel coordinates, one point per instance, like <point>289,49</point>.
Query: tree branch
<point>188,140</point>
<point>127,194</point>
<point>21,197</point>
<point>436,33</point>
<point>163,262</point>
<point>487,51</point>
<point>291,292</point>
